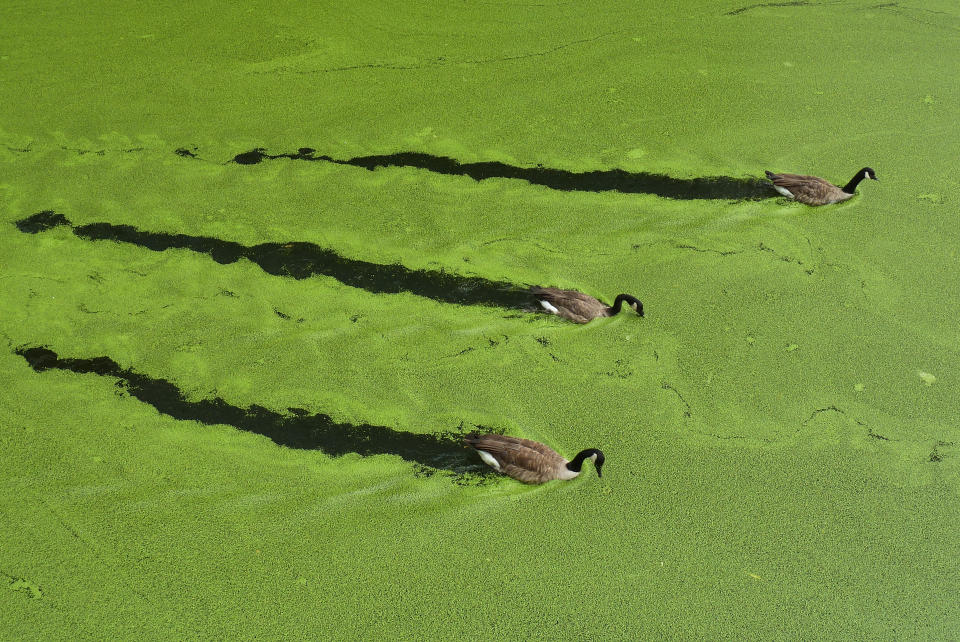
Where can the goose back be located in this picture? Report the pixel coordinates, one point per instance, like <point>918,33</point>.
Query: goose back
<point>810,190</point>
<point>523,459</point>
<point>570,304</point>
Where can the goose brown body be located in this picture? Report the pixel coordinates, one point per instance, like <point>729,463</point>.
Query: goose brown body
<point>579,307</point>
<point>812,190</point>
<point>528,461</point>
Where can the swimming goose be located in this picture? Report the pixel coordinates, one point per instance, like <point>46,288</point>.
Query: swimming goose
<point>529,461</point>
<point>580,307</point>
<point>816,191</point>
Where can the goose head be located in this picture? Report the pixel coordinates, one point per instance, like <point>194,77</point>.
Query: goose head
<point>597,459</point>
<point>594,455</point>
<point>630,300</point>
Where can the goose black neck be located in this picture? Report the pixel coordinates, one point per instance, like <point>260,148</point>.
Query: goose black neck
<point>577,462</point>
<point>851,187</point>
<point>618,304</point>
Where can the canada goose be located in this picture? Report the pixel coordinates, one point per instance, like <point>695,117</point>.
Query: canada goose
<point>581,307</point>
<point>529,461</point>
<point>816,191</point>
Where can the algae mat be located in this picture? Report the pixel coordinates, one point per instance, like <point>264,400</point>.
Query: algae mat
<point>259,268</point>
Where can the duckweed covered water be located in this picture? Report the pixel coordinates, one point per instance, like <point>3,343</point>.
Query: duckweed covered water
<point>780,429</point>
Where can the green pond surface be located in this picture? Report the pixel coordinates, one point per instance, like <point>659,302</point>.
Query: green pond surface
<point>781,428</point>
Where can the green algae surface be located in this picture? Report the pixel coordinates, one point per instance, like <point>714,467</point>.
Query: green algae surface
<point>780,429</point>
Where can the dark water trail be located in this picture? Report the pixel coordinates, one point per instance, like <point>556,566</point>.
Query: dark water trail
<point>707,187</point>
<point>299,260</point>
<point>299,429</point>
